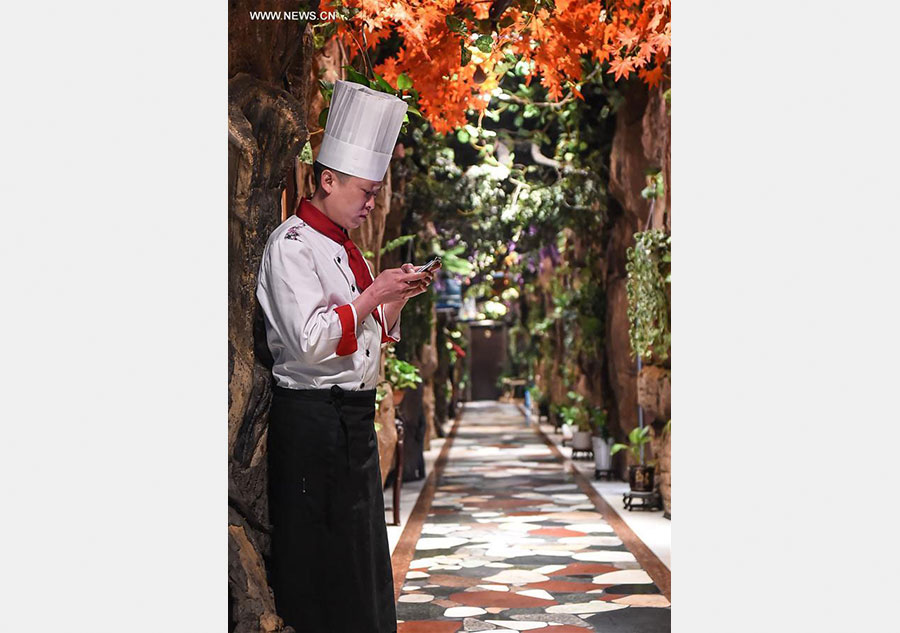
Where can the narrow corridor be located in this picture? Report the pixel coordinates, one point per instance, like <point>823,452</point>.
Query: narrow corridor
<point>512,541</point>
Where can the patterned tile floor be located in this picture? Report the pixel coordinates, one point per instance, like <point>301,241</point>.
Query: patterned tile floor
<point>511,543</point>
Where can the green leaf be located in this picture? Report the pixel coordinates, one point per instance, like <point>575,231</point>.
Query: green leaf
<point>455,24</point>
<point>465,53</point>
<point>382,83</point>
<point>329,29</point>
<point>397,242</point>
<point>306,154</point>
<point>356,77</point>
<point>484,43</point>
<point>323,117</point>
<point>404,82</point>
<point>326,88</point>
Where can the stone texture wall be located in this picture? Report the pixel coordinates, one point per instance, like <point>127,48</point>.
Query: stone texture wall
<point>642,140</point>
<point>269,67</point>
<point>654,388</point>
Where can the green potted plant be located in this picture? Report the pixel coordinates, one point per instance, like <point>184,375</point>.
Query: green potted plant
<point>401,375</point>
<point>600,438</point>
<point>575,417</point>
<point>640,475</point>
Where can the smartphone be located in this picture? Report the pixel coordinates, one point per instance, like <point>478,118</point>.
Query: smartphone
<point>434,262</point>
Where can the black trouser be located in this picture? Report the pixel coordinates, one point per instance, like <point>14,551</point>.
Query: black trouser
<point>331,565</point>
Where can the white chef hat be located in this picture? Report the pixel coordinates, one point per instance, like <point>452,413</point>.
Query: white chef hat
<point>361,130</point>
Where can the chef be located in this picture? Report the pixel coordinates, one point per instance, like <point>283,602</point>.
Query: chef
<point>326,319</point>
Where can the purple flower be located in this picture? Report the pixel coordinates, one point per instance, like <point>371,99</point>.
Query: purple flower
<point>554,254</point>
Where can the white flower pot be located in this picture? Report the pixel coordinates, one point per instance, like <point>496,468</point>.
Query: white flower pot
<point>567,431</point>
<point>581,441</point>
<point>602,458</point>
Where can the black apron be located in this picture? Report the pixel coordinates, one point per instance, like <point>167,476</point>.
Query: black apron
<point>331,564</point>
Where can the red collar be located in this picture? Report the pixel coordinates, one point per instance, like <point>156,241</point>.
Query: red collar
<point>321,222</point>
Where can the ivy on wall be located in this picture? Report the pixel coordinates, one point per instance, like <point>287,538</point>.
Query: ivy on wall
<point>649,274</point>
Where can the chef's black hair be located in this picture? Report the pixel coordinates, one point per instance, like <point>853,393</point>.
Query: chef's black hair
<point>318,168</point>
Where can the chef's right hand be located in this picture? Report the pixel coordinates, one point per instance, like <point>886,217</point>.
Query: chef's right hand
<point>394,284</point>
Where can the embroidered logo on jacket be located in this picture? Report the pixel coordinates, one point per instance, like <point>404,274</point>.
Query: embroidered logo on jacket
<point>293,233</point>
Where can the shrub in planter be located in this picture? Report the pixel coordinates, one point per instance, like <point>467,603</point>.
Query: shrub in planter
<point>640,475</point>
<point>575,416</point>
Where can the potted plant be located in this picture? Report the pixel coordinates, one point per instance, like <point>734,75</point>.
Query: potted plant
<point>561,416</point>
<point>575,417</point>
<point>640,475</point>
<point>401,375</point>
<point>600,439</point>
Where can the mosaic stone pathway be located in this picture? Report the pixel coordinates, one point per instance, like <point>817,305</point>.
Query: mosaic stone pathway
<point>511,543</point>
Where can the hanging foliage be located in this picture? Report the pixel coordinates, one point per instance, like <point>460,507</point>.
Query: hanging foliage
<point>648,265</point>
<point>453,53</point>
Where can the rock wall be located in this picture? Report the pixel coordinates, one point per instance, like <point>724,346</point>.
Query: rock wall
<point>655,393</point>
<point>268,74</point>
<point>642,140</point>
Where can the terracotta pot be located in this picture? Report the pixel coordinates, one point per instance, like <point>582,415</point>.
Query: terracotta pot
<point>399,394</point>
<point>640,478</point>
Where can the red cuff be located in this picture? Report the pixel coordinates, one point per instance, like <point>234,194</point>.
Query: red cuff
<point>387,339</point>
<point>379,312</point>
<point>347,344</point>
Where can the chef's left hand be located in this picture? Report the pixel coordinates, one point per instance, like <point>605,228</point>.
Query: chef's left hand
<point>421,284</point>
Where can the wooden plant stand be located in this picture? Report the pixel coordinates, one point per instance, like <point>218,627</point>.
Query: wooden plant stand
<point>648,500</point>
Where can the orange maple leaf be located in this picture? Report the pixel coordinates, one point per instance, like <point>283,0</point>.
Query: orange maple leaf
<point>651,76</point>
<point>621,67</point>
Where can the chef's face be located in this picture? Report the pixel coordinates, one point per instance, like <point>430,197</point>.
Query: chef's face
<point>351,200</point>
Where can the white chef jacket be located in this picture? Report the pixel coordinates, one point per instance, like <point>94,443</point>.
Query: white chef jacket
<point>305,286</point>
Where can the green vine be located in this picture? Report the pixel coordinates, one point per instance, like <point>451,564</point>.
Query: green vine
<point>649,274</point>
